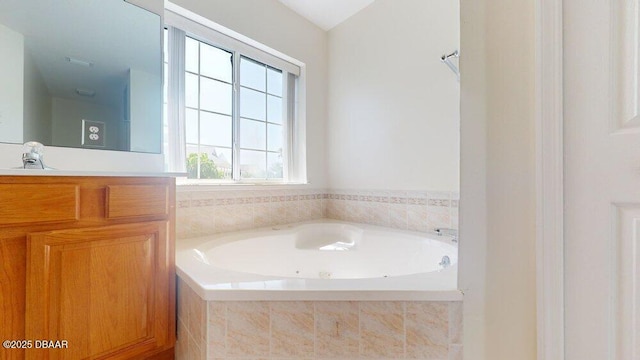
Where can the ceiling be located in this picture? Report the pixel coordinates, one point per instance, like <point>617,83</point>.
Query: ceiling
<point>326,14</point>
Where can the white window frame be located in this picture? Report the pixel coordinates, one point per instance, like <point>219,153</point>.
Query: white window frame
<point>286,93</point>
<point>294,125</point>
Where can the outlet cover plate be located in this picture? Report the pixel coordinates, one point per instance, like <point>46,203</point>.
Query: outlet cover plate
<point>93,133</point>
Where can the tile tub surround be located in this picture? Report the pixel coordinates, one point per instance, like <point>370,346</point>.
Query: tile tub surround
<point>207,212</point>
<point>317,330</point>
<point>421,211</point>
<point>200,213</point>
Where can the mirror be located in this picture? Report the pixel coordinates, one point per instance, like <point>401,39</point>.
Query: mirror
<point>81,73</point>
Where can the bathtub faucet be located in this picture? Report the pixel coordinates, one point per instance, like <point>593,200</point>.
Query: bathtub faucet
<point>449,232</point>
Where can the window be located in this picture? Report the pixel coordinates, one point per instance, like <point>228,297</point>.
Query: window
<point>261,120</point>
<point>208,111</point>
<point>233,107</point>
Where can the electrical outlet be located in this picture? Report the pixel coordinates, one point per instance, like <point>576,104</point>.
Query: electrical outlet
<point>93,133</point>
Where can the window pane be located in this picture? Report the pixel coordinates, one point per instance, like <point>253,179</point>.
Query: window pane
<point>191,55</point>
<point>191,90</point>
<point>215,129</point>
<point>191,124</point>
<point>215,163</point>
<point>192,161</point>
<point>252,134</point>
<point>252,104</point>
<point>274,137</point>
<point>192,149</point>
<point>215,63</point>
<point>274,82</point>
<point>224,161</point>
<point>274,165</point>
<point>252,74</point>
<point>212,121</point>
<point>215,96</point>
<point>274,109</point>
<point>252,164</point>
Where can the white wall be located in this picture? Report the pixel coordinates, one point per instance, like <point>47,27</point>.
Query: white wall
<point>511,204</point>
<point>11,85</point>
<point>67,118</point>
<point>37,104</point>
<point>497,220</point>
<point>472,245</point>
<point>393,106</point>
<point>275,25</point>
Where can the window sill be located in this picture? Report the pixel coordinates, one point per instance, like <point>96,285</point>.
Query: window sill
<point>190,184</point>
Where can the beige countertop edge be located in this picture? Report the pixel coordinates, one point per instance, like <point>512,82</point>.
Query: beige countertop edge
<point>23,172</point>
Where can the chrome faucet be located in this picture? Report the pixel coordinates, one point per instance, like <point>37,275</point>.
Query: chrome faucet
<point>32,156</point>
<point>445,262</point>
<point>453,233</point>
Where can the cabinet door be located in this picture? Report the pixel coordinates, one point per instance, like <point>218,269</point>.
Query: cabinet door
<point>105,291</point>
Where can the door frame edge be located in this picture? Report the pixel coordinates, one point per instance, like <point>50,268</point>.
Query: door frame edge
<point>549,180</point>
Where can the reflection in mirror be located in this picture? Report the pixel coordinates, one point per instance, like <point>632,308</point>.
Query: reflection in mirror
<point>81,74</point>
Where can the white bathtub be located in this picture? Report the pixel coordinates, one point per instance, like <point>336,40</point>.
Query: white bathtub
<point>320,260</point>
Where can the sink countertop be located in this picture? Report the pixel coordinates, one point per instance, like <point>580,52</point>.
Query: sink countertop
<point>25,172</point>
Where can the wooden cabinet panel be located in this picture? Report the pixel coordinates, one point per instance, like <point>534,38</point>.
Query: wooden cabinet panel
<point>42,203</point>
<point>99,256</point>
<point>137,200</point>
<point>105,290</point>
<point>12,292</point>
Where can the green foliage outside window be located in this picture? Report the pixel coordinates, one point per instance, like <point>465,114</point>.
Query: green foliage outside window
<point>208,169</point>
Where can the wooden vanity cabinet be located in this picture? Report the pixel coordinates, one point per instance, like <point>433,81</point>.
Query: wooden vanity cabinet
<point>89,261</point>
